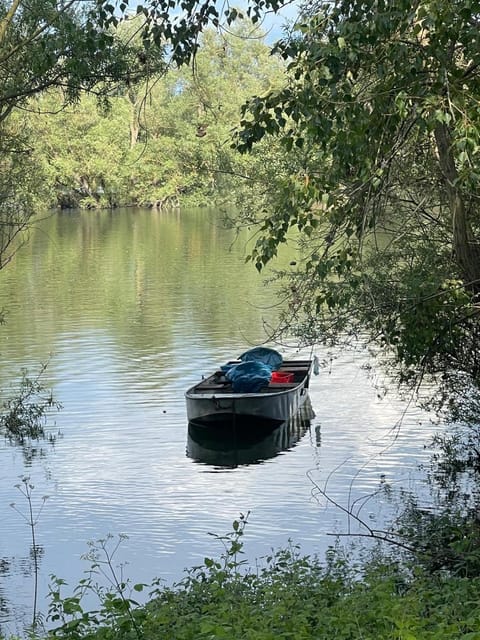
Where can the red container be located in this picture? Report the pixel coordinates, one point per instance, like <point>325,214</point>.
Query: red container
<point>280,376</point>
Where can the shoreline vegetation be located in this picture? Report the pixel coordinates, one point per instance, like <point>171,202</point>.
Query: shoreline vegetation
<point>285,595</point>
<point>160,142</point>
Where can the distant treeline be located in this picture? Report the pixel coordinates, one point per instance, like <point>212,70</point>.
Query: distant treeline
<point>160,143</point>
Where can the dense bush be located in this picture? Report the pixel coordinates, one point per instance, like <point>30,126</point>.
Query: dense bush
<point>285,596</point>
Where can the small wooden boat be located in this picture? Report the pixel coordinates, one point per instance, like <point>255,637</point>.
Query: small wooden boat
<point>278,399</point>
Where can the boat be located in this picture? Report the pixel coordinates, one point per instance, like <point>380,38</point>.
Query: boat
<point>259,385</point>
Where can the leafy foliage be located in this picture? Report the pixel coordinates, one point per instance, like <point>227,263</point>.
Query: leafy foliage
<point>24,415</point>
<point>48,44</point>
<point>164,141</point>
<point>180,23</point>
<point>287,595</point>
<point>380,120</point>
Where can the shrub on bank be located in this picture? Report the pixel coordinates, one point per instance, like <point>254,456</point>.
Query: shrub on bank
<point>286,596</point>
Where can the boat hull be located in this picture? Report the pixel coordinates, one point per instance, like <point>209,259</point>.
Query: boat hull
<point>269,404</point>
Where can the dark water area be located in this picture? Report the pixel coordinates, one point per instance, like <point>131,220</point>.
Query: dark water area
<point>130,308</point>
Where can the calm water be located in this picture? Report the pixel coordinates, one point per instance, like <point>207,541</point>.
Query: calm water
<point>130,308</point>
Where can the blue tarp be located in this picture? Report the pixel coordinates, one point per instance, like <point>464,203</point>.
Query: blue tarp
<point>249,377</point>
<point>265,355</point>
<point>254,371</point>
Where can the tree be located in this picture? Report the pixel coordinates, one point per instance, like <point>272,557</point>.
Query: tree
<point>48,45</point>
<point>45,44</point>
<point>182,120</point>
<point>199,108</point>
<point>380,118</point>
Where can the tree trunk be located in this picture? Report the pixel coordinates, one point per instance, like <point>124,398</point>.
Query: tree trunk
<point>5,23</point>
<point>466,250</point>
<point>134,130</point>
<point>134,118</point>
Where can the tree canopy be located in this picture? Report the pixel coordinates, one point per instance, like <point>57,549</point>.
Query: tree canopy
<point>46,45</point>
<point>380,118</point>
<point>162,141</point>
<point>370,148</point>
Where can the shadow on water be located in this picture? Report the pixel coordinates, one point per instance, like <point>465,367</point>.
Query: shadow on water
<point>245,440</point>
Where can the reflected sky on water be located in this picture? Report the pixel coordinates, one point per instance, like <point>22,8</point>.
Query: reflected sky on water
<point>130,308</point>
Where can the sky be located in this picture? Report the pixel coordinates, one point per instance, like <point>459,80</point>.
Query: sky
<point>274,23</point>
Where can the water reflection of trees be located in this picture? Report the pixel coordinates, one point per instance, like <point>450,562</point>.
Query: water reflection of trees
<point>137,272</point>
<point>26,566</point>
<point>4,571</point>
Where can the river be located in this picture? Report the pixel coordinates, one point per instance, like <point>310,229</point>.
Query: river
<point>129,308</point>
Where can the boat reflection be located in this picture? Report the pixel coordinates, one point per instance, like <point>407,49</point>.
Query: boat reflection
<point>245,441</point>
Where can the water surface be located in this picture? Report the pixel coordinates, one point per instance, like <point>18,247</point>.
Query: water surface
<point>129,308</point>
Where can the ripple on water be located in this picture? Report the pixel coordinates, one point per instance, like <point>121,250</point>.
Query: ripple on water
<point>127,332</point>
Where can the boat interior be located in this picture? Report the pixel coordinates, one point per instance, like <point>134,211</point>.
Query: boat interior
<point>218,383</point>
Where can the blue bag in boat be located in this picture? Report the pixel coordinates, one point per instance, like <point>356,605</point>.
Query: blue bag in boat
<point>249,377</point>
<point>263,354</point>
<point>226,367</point>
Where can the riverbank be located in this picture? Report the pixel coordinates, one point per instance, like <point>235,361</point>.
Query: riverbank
<point>287,596</point>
